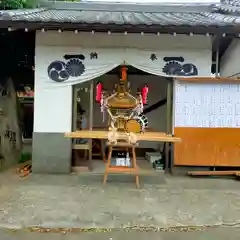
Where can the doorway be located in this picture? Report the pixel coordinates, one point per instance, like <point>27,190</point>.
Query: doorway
<point>158,110</point>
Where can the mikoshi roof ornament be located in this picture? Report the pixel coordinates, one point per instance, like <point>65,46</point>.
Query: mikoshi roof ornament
<point>125,111</point>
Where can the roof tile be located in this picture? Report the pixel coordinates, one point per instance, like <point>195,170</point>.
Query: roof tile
<point>174,18</point>
<point>122,18</point>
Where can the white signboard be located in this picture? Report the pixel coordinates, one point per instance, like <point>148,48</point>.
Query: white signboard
<point>207,105</point>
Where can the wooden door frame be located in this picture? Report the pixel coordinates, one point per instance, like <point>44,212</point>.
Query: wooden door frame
<point>90,115</point>
<point>170,124</point>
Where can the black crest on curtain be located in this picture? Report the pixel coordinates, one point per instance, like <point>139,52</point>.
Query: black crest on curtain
<point>72,66</point>
<point>175,66</point>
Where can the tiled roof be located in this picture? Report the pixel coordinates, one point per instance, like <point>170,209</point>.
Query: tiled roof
<point>231,7</point>
<point>120,14</point>
<point>120,18</point>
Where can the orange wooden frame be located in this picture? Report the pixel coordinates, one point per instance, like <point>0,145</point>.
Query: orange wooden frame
<point>207,147</point>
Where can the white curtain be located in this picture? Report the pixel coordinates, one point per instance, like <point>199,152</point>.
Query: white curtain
<point>170,63</point>
<point>68,66</point>
<point>146,61</point>
<point>81,65</point>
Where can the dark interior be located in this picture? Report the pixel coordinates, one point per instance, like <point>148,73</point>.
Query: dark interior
<point>17,62</point>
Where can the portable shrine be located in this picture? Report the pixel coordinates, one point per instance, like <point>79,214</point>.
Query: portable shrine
<point>125,111</point>
<point>125,115</point>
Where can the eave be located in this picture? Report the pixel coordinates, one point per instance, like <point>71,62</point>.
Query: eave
<point>115,28</point>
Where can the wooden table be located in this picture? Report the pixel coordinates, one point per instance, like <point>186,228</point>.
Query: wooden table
<point>103,134</point>
<point>149,135</point>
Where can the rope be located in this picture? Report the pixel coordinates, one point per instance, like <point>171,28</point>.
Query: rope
<point>132,138</point>
<point>112,137</point>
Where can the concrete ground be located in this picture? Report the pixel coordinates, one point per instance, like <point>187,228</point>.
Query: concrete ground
<point>80,201</point>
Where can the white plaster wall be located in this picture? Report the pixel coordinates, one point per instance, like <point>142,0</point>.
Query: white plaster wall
<point>230,60</point>
<point>53,107</point>
<point>147,41</point>
<point>207,105</point>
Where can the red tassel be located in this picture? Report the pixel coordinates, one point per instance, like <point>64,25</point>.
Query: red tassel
<point>124,73</point>
<point>144,94</point>
<point>98,92</point>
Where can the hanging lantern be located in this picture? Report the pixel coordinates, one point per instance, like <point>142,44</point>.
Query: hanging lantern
<point>99,92</point>
<point>144,94</point>
<point>124,73</point>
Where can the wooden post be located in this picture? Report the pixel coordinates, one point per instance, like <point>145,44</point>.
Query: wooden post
<point>90,123</point>
<point>169,123</point>
<point>217,72</point>
<point>169,108</point>
<point>74,123</point>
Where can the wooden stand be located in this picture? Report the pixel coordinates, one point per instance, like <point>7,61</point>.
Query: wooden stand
<point>122,169</point>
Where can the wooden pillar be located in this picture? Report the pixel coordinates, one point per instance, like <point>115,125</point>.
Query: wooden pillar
<point>74,119</point>
<point>169,123</point>
<point>90,122</point>
<point>217,71</point>
<point>169,107</point>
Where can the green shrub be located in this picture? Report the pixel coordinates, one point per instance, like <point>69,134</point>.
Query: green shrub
<point>17,4</point>
<point>25,157</point>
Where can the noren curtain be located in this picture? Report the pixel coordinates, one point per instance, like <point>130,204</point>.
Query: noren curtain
<point>64,66</point>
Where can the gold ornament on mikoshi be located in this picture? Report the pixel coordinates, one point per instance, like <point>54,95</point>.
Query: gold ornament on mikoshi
<point>133,126</point>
